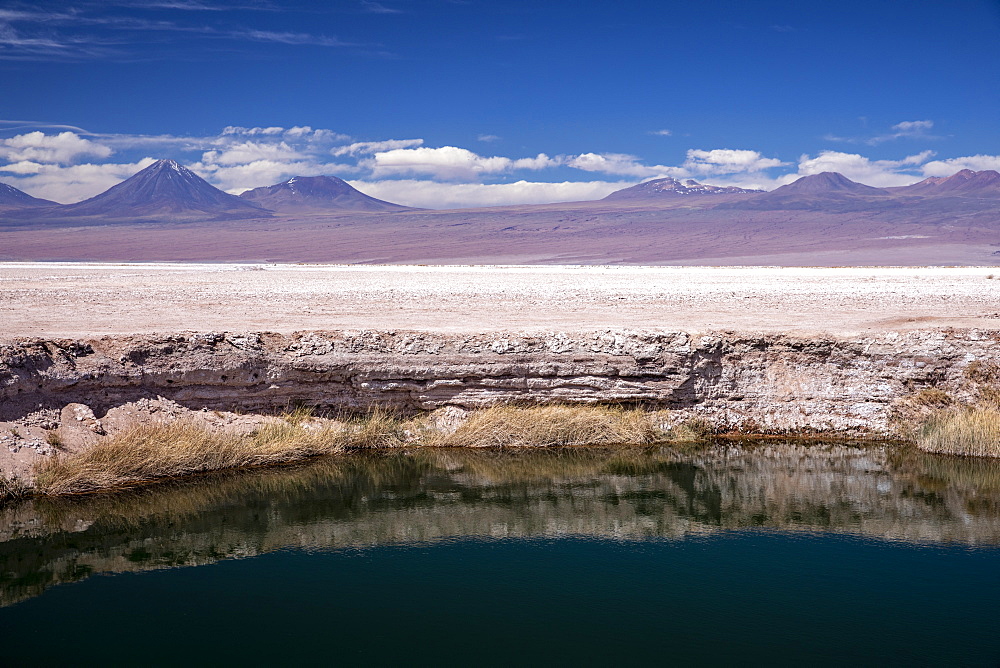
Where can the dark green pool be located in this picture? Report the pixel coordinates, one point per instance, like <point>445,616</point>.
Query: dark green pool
<point>755,554</point>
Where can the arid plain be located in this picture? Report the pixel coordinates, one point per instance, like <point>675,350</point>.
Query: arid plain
<point>86,299</point>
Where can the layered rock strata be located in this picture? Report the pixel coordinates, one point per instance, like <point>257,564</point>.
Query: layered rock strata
<point>751,382</point>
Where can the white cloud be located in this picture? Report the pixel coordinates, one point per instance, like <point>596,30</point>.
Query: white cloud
<point>433,195</point>
<point>361,147</point>
<point>878,173</point>
<point>912,128</point>
<point>540,161</point>
<point>901,130</point>
<point>699,163</point>
<point>951,165</point>
<point>23,167</point>
<point>449,162</point>
<point>619,163</point>
<point>905,130</point>
<point>239,130</point>
<point>728,161</point>
<point>251,151</point>
<point>63,148</point>
<point>917,158</point>
<point>302,132</point>
<point>318,135</point>
<point>661,133</point>
<point>488,138</point>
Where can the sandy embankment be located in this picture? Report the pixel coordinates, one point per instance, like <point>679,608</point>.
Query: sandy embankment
<point>86,299</point>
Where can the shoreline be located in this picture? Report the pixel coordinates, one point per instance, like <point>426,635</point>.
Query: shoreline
<point>62,398</point>
<point>845,352</point>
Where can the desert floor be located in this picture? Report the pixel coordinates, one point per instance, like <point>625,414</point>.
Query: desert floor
<point>82,299</point>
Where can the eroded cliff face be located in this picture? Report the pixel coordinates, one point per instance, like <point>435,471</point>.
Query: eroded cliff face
<point>761,383</point>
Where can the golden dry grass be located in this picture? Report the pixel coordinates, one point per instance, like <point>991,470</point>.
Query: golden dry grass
<point>546,426</point>
<point>932,397</point>
<point>971,431</point>
<point>150,452</point>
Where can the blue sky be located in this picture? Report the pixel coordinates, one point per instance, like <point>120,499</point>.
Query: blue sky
<point>470,102</point>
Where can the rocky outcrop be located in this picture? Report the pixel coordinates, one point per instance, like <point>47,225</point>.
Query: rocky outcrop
<point>761,383</point>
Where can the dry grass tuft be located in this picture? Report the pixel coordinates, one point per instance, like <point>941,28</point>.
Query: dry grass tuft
<point>933,398</point>
<point>377,429</point>
<point>153,452</point>
<point>13,488</point>
<point>983,372</point>
<point>298,415</point>
<point>689,431</point>
<point>150,452</point>
<point>969,431</point>
<point>546,426</point>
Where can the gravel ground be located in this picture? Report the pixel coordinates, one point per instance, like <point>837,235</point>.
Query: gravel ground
<point>81,299</point>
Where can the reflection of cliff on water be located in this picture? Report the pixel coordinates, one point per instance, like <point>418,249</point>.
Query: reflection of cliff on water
<point>424,495</point>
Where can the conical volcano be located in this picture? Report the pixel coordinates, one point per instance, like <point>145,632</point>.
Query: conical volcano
<point>316,194</point>
<point>827,183</point>
<point>827,192</point>
<point>164,191</point>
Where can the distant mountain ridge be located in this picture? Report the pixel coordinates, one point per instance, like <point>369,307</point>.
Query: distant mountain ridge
<point>316,194</point>
<point>168,192</point>
<point>670,187</point>
<point>12,198</point>
<point>824,192</point>
<point>818,219</point>
<point>985,183</point>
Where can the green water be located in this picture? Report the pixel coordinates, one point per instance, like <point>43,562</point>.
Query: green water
<point>777,554</point>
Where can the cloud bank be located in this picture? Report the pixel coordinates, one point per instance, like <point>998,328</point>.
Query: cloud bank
<point>68,164</point>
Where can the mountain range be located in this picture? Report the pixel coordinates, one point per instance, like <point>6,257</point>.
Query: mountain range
<point>169,192</point>
<point>964,183</point>
<point>818,219</point>
<point>166,191</point>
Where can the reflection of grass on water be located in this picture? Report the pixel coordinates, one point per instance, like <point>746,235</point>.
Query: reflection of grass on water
<point>548,426</point>
<point>937,474</point>
<point>370,497</point>
<point>356,474</point>
<point>149,452</point>
<point>161,451</point>
<point>506,467</point>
